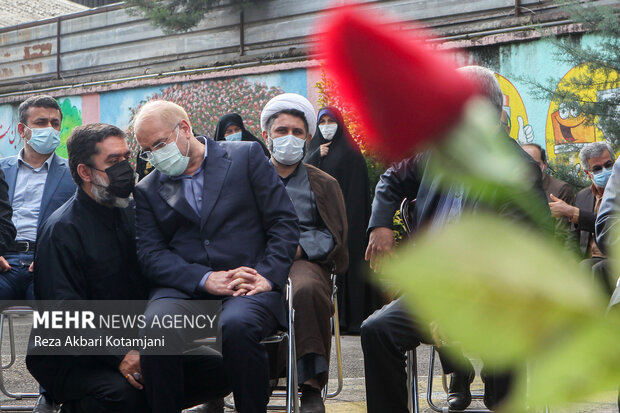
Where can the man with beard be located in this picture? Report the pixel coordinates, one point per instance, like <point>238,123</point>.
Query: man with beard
<point>87,250</point>
<point>287,120</point>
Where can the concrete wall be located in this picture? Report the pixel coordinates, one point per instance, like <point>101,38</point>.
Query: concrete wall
<point>110,43</point>
<point>517,58</point>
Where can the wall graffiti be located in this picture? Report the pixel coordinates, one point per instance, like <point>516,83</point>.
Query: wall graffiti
<point>205,101</point>
<point>515,113</point>
<point>71,117</point>
<point>9,139</point>
<point>568,129</point>
<point>529,119</point>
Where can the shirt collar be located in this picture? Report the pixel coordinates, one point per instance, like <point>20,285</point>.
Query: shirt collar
<point>598,192</point>
<point>48,161</point>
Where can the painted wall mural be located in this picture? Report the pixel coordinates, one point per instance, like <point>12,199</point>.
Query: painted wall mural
<point>71,108</point>
<point>567,130</point>
<point>530,119</point>
<point>515,113</point>
<point>11,142</point>
<point>9,139</point>
<point>205,101</point>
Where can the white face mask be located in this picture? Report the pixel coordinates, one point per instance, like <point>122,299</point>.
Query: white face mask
<point>328,131</point>
<point>288,150</point>
<point>169,159</point>
<point>233,137</point>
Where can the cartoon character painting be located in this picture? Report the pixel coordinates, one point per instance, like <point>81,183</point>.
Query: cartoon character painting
<point>568,127</point>
<point>515,117</point>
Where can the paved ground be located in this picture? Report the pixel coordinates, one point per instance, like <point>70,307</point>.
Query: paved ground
<point>351,399</point>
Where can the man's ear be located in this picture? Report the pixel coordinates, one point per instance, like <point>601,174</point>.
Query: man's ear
<point>589,174</point>
<point>264,133</point>
<point>85,172</point>
<point>21,130</point>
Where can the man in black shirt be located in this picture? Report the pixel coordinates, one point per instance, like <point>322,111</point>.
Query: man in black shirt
<point>87,249</point>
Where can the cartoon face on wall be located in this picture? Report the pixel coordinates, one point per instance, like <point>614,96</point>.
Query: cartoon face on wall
<point>568,128</point>
<point>516,116</point>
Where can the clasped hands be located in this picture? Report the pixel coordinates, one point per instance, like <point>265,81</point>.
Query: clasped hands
<point>237,282</point>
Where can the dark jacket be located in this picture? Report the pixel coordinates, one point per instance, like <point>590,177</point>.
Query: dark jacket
<point>410,179</point>
<point>247,219</point>
<point>59,185</point>
<point>558,188</point>
<point>583,231</point>
<point>330,204</point>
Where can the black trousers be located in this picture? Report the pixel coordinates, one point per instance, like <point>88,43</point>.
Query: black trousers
<point>85,385</point>
<point>244,322</point>
<point>386,335</point>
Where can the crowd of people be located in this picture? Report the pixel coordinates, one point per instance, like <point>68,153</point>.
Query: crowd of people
<point>232,218</point>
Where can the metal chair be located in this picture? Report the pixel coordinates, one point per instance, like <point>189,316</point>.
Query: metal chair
<point>289,392</point>
<point>8,314</point>
<point>406,212</point>
<point>407,207</point>
<point>335,324</point>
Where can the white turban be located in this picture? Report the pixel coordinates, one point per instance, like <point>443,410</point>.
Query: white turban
<point>289,101</point>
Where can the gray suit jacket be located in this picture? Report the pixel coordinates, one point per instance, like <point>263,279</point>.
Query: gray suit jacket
<point>59,186</point>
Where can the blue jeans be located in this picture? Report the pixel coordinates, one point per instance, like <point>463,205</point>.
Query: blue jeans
<point>16,283</point>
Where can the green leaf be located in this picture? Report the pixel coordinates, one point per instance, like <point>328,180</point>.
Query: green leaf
<point>508,294</point>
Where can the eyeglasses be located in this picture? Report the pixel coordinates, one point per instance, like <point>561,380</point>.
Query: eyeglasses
<point>147,156</point>
<point>597,169</point>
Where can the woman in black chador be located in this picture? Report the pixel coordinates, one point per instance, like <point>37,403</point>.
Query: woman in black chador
<point>332,150</point>
<point>230,128</point>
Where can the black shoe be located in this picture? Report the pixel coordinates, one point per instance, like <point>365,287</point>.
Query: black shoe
<point>211,406</point>
<point>496,388</point>
<point>43,405</point>
<point>459,395</point>
<point>311,400</point>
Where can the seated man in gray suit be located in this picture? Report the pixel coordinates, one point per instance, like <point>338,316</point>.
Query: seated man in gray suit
<point>597,160</point>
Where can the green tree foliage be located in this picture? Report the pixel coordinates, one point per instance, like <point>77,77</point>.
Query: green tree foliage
<point>180,15</point>
<point>603,64</point>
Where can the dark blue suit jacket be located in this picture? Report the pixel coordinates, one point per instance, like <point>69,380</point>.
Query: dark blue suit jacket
<point>59,185</point>
<point>247,219</point>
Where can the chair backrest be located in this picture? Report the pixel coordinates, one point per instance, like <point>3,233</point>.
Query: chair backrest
<point>407,208</point>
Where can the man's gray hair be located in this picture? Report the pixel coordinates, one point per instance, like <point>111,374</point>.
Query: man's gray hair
<point>594,150</point>
<point>487,83</point>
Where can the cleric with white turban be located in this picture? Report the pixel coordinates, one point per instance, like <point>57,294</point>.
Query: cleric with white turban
<point>289,101</point>
<point>288,122</point>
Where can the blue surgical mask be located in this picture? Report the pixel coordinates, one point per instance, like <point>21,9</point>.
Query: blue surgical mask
<point>233,137</point>
<point>288,150</point>
<point>169,159</point>
<point>602,177</point>
<point>44,140</point>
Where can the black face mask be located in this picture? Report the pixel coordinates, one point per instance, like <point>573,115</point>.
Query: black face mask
<point>122,179</point>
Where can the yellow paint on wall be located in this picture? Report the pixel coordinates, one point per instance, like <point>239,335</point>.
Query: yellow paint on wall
<point>515,109</point>
<point>567,130</point>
